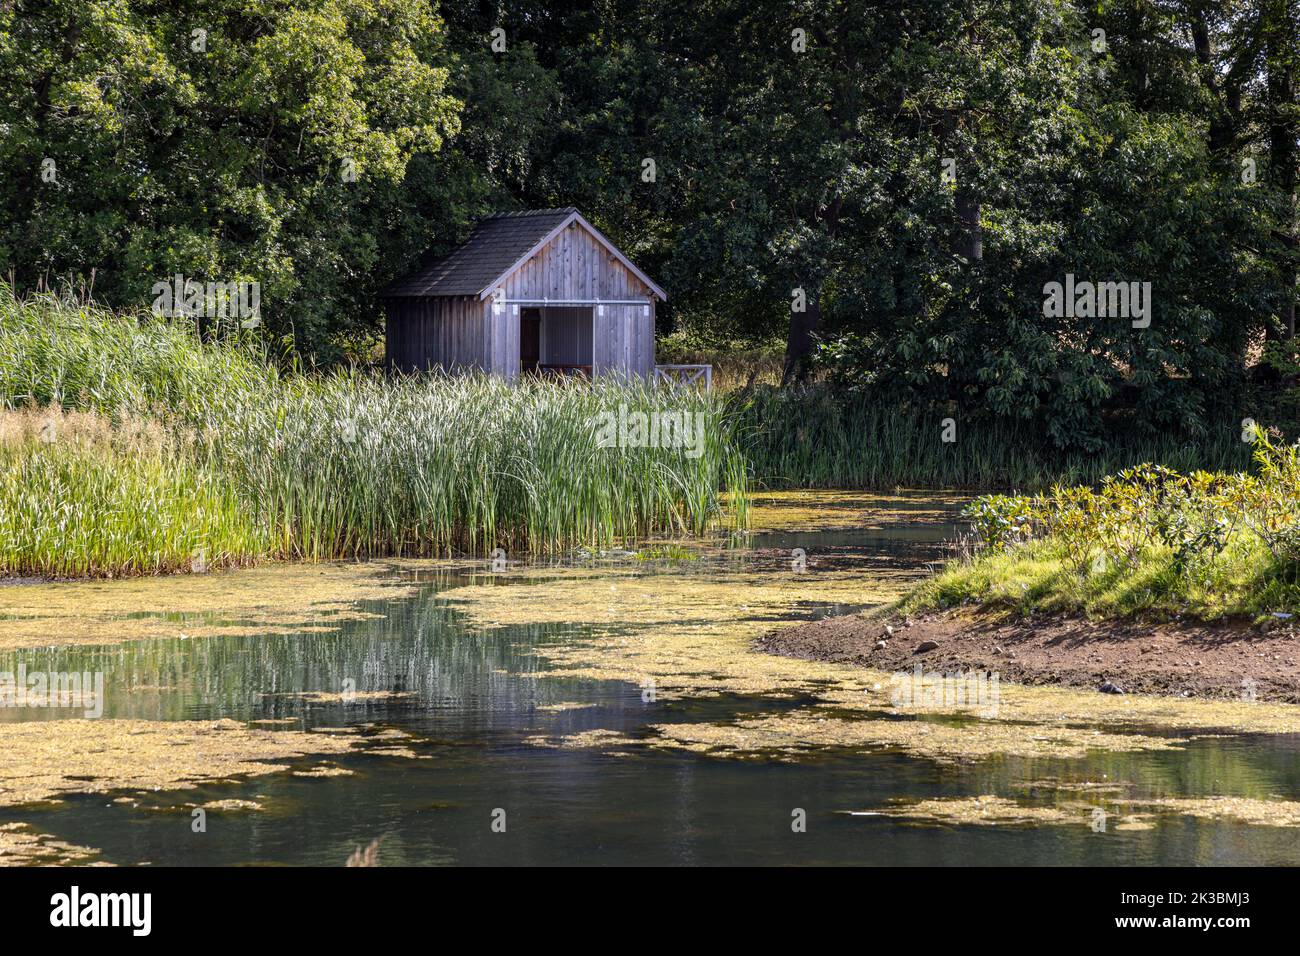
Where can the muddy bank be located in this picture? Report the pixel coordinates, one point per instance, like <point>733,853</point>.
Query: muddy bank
<point>1229,660</point>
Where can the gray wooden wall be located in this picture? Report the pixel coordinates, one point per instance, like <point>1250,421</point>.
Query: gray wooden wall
<point>625,339</point>
<point>425,333</point>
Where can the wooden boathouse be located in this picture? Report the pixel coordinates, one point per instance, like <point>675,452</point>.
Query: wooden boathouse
<point>540,291</point>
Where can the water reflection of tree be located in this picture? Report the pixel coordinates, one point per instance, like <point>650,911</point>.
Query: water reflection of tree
<point>417,647</point>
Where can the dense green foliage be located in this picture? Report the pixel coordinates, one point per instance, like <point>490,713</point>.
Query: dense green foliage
<point>1149,541</point>
<point>795,148</point>
<point>143,140</point>
<point>239,462</point>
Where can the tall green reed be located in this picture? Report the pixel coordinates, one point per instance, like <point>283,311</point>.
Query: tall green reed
<point>111,505</point>
<point>354,464</point>
<point>64,351</point>
<point>346,464</point>
<point>815,438</point>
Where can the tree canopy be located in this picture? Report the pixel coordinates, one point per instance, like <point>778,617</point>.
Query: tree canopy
<point>912,174</point>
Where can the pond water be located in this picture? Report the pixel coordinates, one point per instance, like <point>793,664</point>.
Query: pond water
<point>486,703</point>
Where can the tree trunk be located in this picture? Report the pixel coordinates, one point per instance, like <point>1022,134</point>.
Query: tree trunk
<point>971,243</point>
<point>799,340</point>
<point>1225,91</point>
<point>1281,36</point>
<point>805,325</point>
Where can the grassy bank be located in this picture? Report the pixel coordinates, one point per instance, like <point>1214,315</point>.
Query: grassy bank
<point>1149,543</point>
<point>245,462</point>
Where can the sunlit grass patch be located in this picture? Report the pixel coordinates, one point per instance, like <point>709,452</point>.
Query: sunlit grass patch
<point>1038,578</point>
<point>1029,578</point>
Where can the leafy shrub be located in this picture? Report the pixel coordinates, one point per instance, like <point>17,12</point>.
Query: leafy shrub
<point>1000,520</point>
<point>1149,509</point>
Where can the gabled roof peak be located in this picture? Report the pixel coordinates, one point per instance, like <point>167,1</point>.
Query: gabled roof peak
<point>497,246</point>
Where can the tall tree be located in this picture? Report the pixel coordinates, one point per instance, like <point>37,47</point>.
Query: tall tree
<point>1281,34</point>
<point>221,140</point>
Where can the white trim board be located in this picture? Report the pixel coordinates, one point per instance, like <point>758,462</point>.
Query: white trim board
<point>562,303</point>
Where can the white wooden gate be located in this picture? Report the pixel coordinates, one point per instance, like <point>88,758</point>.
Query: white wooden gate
<point>680,375</point>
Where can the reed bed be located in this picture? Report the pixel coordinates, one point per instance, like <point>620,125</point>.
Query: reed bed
<point>80,497</point>
<point>58,350</point>
<point>166,448</point>
<point>815,438</point>
<point>357,465</point>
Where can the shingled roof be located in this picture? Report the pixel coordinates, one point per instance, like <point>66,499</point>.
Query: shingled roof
<point>494,247</point>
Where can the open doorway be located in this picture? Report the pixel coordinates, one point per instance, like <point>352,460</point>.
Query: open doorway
<point>556,340</point>
<point>530,340</point>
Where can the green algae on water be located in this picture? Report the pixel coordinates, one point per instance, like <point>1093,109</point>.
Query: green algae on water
<point>1107,814</point>
<point>273,599</point>
<point>690,636</point>
<point>22,845</point>
<point>46,760</point>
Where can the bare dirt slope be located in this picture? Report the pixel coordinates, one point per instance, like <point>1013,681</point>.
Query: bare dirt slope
<point>1201,660</point>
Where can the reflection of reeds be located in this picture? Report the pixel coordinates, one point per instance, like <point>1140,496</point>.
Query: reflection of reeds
<point>176,448</point>
<point>365,857</point>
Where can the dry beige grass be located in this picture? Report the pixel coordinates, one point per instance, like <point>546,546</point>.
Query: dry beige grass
<point>129,433</point>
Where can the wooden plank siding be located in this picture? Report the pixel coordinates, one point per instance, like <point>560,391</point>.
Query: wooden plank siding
<point>575,266</point>
<point>433,332</point>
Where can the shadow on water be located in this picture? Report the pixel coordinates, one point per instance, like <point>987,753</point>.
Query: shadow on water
<point>473,697</point>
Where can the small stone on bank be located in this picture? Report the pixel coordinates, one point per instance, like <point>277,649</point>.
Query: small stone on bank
<point>1108,688</point>
<point>925,646</point>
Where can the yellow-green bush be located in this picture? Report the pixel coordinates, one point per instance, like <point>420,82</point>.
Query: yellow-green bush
<point>1149,539</point>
